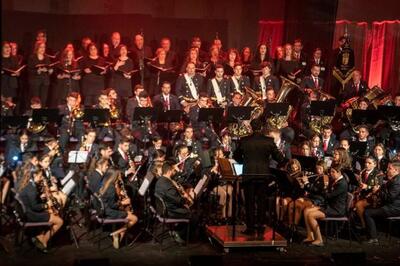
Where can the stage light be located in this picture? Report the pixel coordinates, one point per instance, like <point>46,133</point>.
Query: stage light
<point>15,158</point>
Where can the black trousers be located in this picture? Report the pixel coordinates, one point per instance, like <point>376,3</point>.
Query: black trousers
<point>369,216</point>
<point>255,203</point>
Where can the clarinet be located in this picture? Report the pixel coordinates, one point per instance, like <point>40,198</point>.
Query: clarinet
<point>55,206</point>
<point>123,195</point>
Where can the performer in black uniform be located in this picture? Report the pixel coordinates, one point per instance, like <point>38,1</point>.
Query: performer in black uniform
<point>116,204</point>
<point>122,74</point>
<point>36,210</point>
<point>218,88</point>
<point>188,86</point>
<point>39,72</point>
<point>255,152</point>
<point>93,80</point>
<point>266,80</point>
<point>9,82</point>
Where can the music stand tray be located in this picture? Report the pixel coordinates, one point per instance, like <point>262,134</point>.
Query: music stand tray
<point>211,114</point>
<point>96,116</point>
<point>236,113</point>
<point>144,113</point>
<point>78,156</point>
<point>322,108</point>
<point>45,116</point>
<point>14,122</point>
<point>280,109</point>
<point>169,116</point>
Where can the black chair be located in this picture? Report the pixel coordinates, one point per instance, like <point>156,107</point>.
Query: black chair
<point>161,214</point>
<point>98,214</point>
<point>343,219</point>
<point>391,220</point>
<point>22,223</point>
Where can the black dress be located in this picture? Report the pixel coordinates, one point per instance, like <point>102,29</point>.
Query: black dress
<point>38,83</point>
<point>9,84</point>
<point>91,83</point>
<point>157,76</point>
<point>119,82</point>
<point>111,207</point>
<point>35,208</point>
<point>64,86</point>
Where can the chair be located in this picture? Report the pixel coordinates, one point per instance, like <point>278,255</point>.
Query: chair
<point>162,216</point>
<point>98,211</point>
<point>22,223</point>
<point>343,219</point>
<point>391,220</point>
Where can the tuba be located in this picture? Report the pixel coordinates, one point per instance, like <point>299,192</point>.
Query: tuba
<point>35,128</point>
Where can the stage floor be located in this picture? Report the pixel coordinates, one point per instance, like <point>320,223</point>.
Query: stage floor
<point>223,235</point>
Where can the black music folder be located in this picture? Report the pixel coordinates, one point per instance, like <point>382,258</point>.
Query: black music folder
<point>241,113</point>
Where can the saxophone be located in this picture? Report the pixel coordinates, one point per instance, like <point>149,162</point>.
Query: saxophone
<point>123,195</point>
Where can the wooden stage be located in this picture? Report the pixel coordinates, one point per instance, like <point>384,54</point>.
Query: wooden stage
<point>223,235</point>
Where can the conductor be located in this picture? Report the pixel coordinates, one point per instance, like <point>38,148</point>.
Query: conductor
<point>254,152</point>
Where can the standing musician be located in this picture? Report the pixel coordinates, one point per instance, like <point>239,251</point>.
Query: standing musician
<point>122,159</point>
<point>117,205</point>
<point>31,194</point>
<point>188,87</point>
<point>160,70</point>
<point>71,123</point>
<point>389,195</point>
<point>105,131</point>
<point>370,178</point>
<point>218,88</point>
<point>133,102</point>
<point>139,53</point>
<point>266,80</point>
<point>313,82</point>
<point>238,82</point>
<point>176,203</point>
<point>254,152</point>
<point>315,189</point>
<point>336,205</point>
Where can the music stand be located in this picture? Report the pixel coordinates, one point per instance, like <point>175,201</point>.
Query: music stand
<point>358,148</point>
<point>144,114</point>
<point>45,116</point>
<point>96,116</point>
<point>210,115</point>
<point>238,113</point>
<point>15,122</point>
<point>389,113</point>
<point>169,116</point>
<point>364,117</point>
<point>322,108</point>
<point>307,163</point>
<point>278,109</point>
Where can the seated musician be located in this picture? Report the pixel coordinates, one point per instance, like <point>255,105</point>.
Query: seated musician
<point>316,147</point>
<point>188,167</point>
<point>388,197</point>
<point>44,162</point>
<point>363,136</point>
<point>71,125</point>
<point>228,146</point>
<point>290,193</point>
<point>369,179</point>
<point>336,204</point>
<point>348,132</point>
<point>29,161</point>
<point>237,99</point>
<point>218,88</point>
<point>270,95</point>
<point>222,189</point>
<point>156,145</point>
<point>379,154</point>
<point>16,145</point>
<point>189,140</point>
<point>122,158</point>
<point>87,143</point>
<point>35,103</point>
<point>305,148</point>
<point>329,142</point>
<point>175,202</point>
<point>315,190</point>
<point>95,178</point>
<point>104,132</point>
<point>143,130</point>
<point>116,204</point>
<point>36,210</point>
<point>52,148</point>
<point>313,82</point>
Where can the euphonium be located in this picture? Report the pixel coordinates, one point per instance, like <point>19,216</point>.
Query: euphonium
<point>277,121</point>
<point>35,128</point>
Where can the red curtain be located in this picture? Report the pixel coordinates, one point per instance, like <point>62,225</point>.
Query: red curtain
<point>385,56</point>
<point>273,30</point>
<point>376,47</point>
